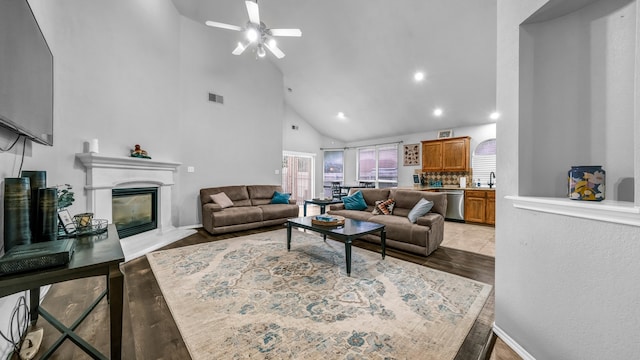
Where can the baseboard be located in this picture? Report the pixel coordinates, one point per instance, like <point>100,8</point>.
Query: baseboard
<point>512,343</point>
<point>195,226</point>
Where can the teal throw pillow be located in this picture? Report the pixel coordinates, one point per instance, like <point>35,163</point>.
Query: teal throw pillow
<point>421,208</point>
<point>280,198</point>
<point>354,202</point>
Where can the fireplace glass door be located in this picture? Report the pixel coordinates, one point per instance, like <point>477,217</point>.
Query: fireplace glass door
<point>134,210</point>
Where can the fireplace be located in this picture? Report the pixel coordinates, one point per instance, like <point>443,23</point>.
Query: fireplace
<point>108,173</point>
<point>134,210</point>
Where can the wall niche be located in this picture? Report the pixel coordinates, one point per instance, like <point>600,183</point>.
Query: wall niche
<point>577,85</point>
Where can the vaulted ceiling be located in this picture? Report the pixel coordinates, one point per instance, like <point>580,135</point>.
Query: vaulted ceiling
<point>359,57</point>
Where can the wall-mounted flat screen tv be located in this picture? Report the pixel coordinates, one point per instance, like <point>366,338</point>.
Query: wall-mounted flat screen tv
<point>26,74</point>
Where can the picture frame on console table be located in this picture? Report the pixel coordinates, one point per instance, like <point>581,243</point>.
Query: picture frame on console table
<point>443,134</point>
<point>67,221</point>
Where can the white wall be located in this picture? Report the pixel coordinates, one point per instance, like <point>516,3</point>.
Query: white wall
<point>478,134</point>
<point>566,288</point>
<point>238,142</point>
<point>303,139</point>
<point>135,72</point>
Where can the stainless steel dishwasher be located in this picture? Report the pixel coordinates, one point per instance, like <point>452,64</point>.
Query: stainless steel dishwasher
<point>455,204</point>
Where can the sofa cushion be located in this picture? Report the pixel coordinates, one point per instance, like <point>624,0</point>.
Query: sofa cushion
<point>279,211</point>
<point>421,208</point>
<point>236,215</point>
<point>354,202</point>
<point>262,194</point>
<point>372,195</point>
<point>238,194</point>
<point>222,199</point>
<point>400,229</point>
<point>352,214</point>
<point>280,198</point>
<point>407,199</point>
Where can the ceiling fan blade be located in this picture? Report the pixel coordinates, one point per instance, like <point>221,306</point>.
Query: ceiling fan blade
<point>274,49</point>
<point>254,12</point>
<point>223,26</point>
<point>239,49</point>
<point>286,32</point>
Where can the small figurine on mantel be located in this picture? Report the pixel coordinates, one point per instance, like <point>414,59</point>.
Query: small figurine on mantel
<point>139,153</point>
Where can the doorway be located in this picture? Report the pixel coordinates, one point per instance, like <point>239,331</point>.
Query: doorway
<point>298,174</point>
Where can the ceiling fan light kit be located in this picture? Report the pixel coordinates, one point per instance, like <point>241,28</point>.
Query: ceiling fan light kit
<point>257,33</point>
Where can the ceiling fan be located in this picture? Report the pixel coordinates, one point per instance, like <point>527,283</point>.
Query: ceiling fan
<point>257,33</point>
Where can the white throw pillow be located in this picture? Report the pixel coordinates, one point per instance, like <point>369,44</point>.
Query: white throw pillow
<point>421,208</point>
<point>222,199</point>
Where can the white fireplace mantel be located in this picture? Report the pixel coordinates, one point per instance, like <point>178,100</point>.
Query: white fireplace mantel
<point>104,173</point>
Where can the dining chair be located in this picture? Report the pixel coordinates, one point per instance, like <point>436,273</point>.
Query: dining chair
<point>336,190</point>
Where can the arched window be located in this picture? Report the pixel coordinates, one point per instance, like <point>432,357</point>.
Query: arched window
<point>484,161</point>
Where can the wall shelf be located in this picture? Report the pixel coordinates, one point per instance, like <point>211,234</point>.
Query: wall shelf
<point>619,212</point>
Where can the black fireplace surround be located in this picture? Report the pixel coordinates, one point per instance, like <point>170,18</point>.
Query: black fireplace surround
<point>135,210</point>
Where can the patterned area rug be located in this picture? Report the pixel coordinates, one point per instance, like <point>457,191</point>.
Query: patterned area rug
<point>247,297</point>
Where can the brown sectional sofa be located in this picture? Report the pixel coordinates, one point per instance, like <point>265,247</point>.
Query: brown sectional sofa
<point>251,208</point>
<point>421,238</point>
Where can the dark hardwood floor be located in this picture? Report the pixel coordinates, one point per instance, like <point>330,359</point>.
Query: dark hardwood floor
<point>149,331</point>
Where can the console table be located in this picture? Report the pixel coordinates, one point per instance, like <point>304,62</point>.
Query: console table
<point>94,255</point>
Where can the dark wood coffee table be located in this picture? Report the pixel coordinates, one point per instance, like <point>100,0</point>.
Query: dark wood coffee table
<point>352,229</point>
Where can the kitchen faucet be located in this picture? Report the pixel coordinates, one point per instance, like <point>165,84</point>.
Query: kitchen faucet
<point>492,175</point>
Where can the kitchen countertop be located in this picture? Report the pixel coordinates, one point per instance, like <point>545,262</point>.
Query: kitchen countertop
<point>444,187</point>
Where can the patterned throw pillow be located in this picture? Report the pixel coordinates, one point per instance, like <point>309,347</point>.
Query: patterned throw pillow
<point>384,207</point>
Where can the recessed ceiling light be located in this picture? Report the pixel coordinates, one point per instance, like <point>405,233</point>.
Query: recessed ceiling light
<point>437,112</point>
<point>418,76</point>
<point>341,115</point>
<point>494,115</point>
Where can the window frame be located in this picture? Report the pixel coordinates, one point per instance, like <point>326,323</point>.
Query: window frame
<point>377,179</point>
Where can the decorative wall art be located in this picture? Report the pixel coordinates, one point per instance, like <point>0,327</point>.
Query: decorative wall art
<point>412,155</point>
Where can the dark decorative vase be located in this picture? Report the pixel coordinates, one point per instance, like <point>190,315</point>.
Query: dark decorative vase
<point>17,197</point>
<point>587,183</point>
<point>47,220</point>
<point>37,180</point>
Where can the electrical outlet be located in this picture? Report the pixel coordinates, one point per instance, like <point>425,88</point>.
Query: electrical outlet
<point>191,169</point>
<point>276,171</point>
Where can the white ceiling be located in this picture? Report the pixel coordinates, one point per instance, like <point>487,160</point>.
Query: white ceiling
<point>359,57</point>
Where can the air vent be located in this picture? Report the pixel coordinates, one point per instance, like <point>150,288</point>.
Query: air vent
<point>216,98</point>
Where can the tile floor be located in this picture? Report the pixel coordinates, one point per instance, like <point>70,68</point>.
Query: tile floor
<point>470,237</point>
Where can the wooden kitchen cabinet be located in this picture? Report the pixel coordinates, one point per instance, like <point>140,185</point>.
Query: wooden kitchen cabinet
<point>446,154</point>
<point>490,212</point>
<point>480,206</point>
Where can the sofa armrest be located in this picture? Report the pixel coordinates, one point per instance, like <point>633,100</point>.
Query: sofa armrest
<point>211,208</point>
<point>292,201</point>
<point>429,219</point>
<point>336,206</point>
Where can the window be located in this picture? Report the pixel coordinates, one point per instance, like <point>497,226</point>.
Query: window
<point>484,161</point>
<point>379,164</point>
<point>333,170</point>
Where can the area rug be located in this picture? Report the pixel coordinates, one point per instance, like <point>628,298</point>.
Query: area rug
<point>248,298</point>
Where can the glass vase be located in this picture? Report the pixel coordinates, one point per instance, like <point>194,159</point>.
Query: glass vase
<point>587,183</point>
